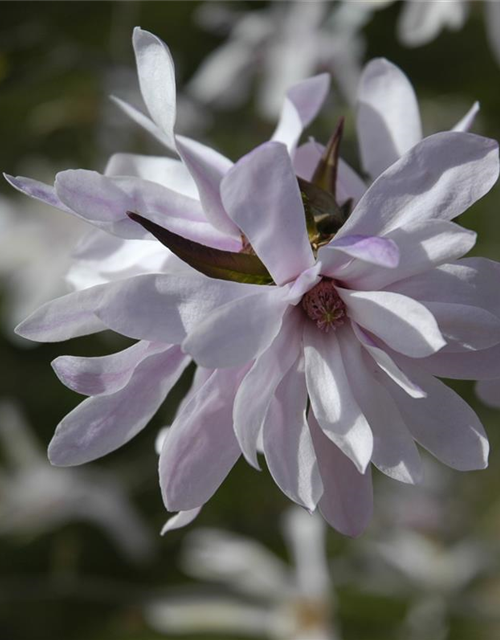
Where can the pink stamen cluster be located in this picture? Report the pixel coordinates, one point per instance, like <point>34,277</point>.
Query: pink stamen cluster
<point>324,305</point>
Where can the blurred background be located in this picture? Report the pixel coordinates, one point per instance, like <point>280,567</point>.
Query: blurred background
<point>80,552</point>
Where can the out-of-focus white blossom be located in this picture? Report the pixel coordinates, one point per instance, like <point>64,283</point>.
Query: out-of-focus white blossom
<point>277,47</point>
<point>36,498</point>
<point>266,597</point>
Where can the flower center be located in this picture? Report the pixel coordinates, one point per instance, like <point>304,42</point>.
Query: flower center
<point>324,305</point>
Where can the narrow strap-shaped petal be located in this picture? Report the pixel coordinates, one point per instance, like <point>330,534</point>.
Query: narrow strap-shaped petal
<point>442,422</point>
<point>143,121</point>
<point>106,374</point>
<point>258,386</point>
<point>388,117</point>
<point>102,424</point>
<point>66,317</point>
<point>404,324</point>
<point>261,195</point>
<point>207,168</point>
<point>288,445</point>
<point>394,451</point>
<point>334,406</point>
<point>201,448</point>
<point>156,72</point>
<point>465,123</point>
<point>422,245</point>
<point>180,520</point>
<point>238,331</point>
<point>337,256</point>
<point>38,191</point>
<point>347,501</point>
<point>164,307</point>
<point>169,172</point>
<point>387,364</point>
<point>439,178</point>
<point>302,103</point>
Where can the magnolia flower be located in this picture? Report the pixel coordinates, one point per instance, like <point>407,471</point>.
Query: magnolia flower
<point>318,331</point>
<point>263,43</point>
<point>421,21</point>
<point>35,497</point>
<point>268,598</point>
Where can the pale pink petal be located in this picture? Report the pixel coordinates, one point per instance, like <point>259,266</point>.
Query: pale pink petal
<point>465,124</point>
<point>238,331</point>
<point>163,308</point>
<point>201,447</point>
<point>469,365</point>
<point>37,190</point>
<point>261,194</point>
<point>67,317</point>
<point>331,397</point>
<point>181,519</point>
<point>402,323</point>
<point>288,445</point>
<point>388,117</point>
<point>208,167</point>
<point>394,451</point>
<point>439,178</point>
<point>156,72</point>
<point>387,364</point>
<point>302,103</point>
<point>169,172</point>
<point>102,424</point>
<point>488,392</point>
<point>106,374</point>
<point>258,387</point>
<point>442,422</point>
<point>347,502</point>
<point>143,121</point>
<point>336,256</point>
<point>465,327</point>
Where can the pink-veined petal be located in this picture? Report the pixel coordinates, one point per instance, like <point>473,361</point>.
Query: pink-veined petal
<point>102,424</point>
<point>37,190</point>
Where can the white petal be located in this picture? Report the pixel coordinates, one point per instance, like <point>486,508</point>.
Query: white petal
<point>469,365</point>
<point>347,502</point>
<point>442,422</point>
<point>156,72</point>
<point>261,194</point>
<point>465,124</point>
<point>208,167</point>
<point>394,451</point>
<point>421,21</point>
<point>37,190</point>
<point>440,178</point>
<point>388,117</point>
<point>238,331</point>
<point>405,325</point>
<point>201,447</point>
<point>181,519</point>
<point>143,121</point>
<point>288,445</point>
<point>422,246</point>
<point>302,103</point>
<point>163,308</point>
<point>103,375</point>
<point>331,398</point>
<point>102,424</point>
<point>258,386</point>
<point>169,172</point>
